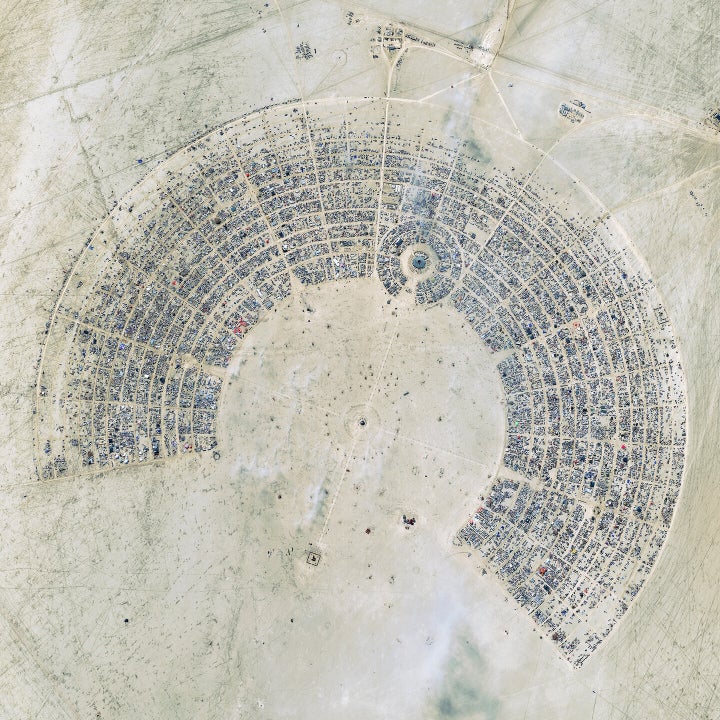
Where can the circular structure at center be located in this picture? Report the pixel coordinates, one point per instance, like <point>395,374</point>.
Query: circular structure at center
<point>422,266</point>
<point>422,257</point>
<point>419,261</point>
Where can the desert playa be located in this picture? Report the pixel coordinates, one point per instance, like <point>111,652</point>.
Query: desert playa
<point>358,361</point>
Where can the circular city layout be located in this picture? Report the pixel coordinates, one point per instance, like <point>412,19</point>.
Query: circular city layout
<point>223,233</point>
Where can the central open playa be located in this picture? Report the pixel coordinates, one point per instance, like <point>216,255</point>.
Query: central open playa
<point>344,414</point>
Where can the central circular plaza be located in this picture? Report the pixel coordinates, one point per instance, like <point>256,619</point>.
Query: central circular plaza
<point>422,257</point>
<point>419,261</point>
<point>388,396</point>
<point>344,419</point>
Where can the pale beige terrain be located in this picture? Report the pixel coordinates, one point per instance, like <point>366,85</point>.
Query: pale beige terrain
<point>242,582</point>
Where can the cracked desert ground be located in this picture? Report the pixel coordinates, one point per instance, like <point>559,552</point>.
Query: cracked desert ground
<point>359,360</point>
